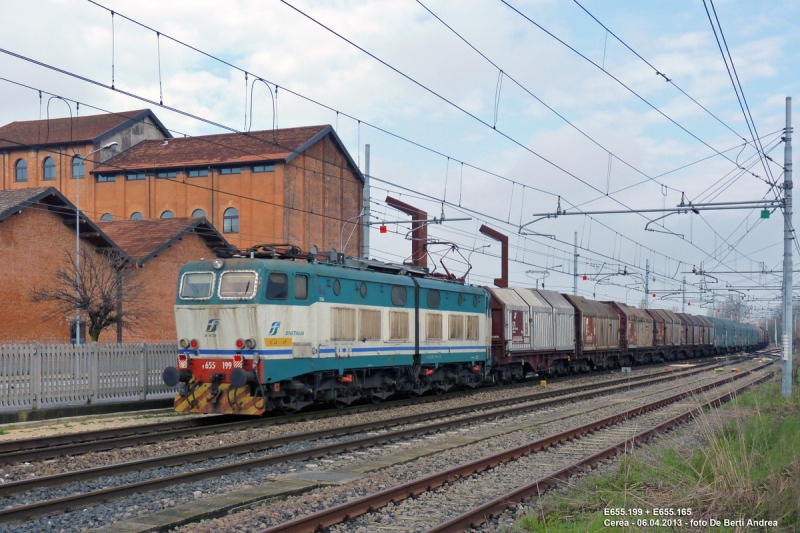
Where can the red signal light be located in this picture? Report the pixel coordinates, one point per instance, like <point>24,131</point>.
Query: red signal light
<point>240,343</point>
<point>383,228</point>
<point>194,343</point>
<point>654,295</point>
<point>690,303</point>
<point>585,278</point>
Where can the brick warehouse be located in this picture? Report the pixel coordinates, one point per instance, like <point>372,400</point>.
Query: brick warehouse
<point>295,185</point>
<point>158,253</point>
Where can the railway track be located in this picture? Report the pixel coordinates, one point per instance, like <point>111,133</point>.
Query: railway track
<point>48,507</point>
<point>574,451</point>
<point>36,449</point>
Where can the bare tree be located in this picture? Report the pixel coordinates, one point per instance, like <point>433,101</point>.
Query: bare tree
<point>103,289</point>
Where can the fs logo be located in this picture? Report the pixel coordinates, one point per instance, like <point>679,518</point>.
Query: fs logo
<point>273,330</point>
<point>212,325</point>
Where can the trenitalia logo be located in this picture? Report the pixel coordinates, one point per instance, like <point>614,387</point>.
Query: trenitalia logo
<point>273,330</point>
<point>212,325</point>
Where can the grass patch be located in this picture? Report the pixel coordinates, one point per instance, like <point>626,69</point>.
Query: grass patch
<point>740,461</point>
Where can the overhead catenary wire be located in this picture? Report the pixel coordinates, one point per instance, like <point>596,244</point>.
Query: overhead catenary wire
<point>623,84</point>
<point>314,101</point>
<point>193,116</point>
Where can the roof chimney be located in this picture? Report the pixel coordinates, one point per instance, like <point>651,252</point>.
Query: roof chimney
<point>502,281</point>
<point>419,231</point>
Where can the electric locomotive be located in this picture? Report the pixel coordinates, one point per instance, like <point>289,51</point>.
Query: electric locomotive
<point>281,330</point>
<point>276,329</point>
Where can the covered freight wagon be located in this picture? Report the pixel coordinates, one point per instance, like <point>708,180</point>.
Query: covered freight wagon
<point>636,326</point>
<point>596,325</point>
<point>552,320</point>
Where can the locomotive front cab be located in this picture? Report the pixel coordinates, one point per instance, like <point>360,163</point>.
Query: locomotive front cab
<point>226,338</point>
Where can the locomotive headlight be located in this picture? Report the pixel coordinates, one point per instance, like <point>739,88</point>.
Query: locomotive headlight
<point>183,343</point>
<point>240,343</point>
<point>193,343</point>
<point>218,263</point>
<point>250,344</point>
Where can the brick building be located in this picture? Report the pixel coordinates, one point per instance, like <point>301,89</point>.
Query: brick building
<point>37,228</point>
<point>291,185</point>
<point>156,248</point>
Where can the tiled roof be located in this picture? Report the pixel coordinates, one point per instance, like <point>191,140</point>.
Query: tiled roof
<point>143,239</point>
<point>15,200</point>
<point>233,148</point>
<point>64,130</point>
<point>12,199</point>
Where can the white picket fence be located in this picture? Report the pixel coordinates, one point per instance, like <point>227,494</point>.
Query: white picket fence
<point>36,375</point>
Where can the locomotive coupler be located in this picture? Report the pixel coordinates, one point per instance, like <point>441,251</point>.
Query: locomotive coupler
<point>216,379</point>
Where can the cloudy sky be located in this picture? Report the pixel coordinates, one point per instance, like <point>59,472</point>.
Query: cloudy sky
<point>594,124</point>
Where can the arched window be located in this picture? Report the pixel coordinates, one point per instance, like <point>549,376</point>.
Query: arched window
<point>108,217</point>
<point>137,216</point>
<point>198,213</point>
<point>230,221</point>
<point>167,214</point>
<point>78,167</point>
<point>21,169</point>
<point>49,169</point>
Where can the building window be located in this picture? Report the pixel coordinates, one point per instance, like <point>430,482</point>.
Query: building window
<point>136,176</point>
<point>108,217</point>
<point>49,168</point>
<point>198,173</point>
<point>78,167</point>
<point>21,169</point>
<point>167,174</point>
<point>137,216</point>
<point>263,168</point>
<point>167,214</point>
<point>230,221</point>
<point>230,170</point>
<point>198,213</point>
<point>103,178</point>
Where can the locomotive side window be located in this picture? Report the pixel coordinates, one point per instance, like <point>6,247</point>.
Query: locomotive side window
<point>472,328</point>
<point>363,290</point>
<point>278,286</point>
<point>337,287</point>
<point>399,295</point>
<point>369,325</point>
<point>300,287</point>
<point>197,285</point>
<point>237,285</point>
<point>343,324</point>
<point>398,325</point>
<point>455,326</point>
<point>433,326</point>
<point>434,298</point>
<point>460,299</point>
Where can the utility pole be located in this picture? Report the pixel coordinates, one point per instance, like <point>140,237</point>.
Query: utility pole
<point>366,219</point>
<point>683,292</point>
<point>646,283</point>
<point>575,267</point>
<point>786,369</point>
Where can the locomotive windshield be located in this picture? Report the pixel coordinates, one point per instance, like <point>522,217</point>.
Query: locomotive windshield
<point>235,284</point>
<point>197,285</point>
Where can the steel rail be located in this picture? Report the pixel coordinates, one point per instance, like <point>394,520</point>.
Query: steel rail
<point>340,513</point>
<point>258,445</point>
<point>478,515</point>
<point>80,500</point>
<point>110,439</point>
